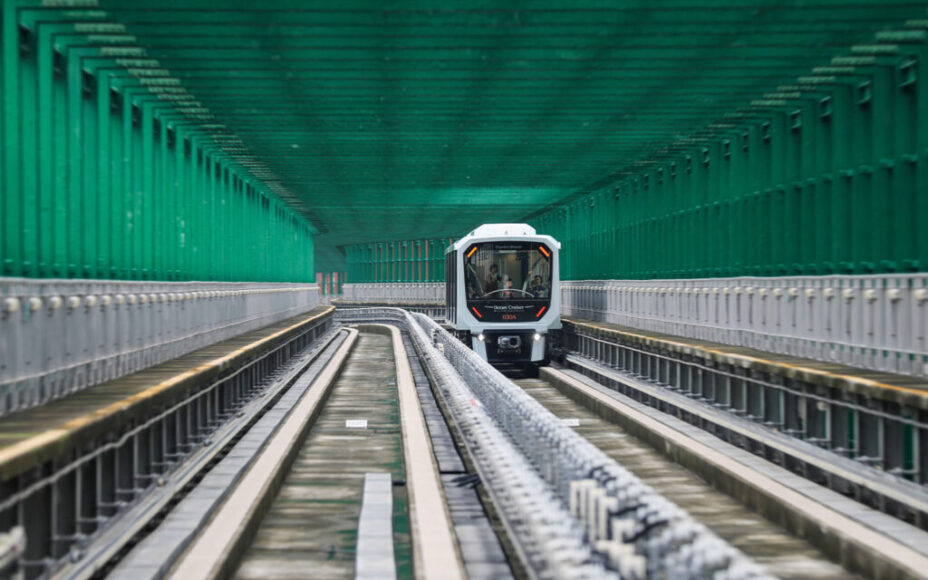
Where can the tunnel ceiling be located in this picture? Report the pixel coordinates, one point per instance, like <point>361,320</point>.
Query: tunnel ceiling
<point>391,120</point>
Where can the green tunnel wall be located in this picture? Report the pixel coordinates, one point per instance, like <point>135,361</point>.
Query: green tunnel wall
<point>109,173</point>
<point>401,261</point>
<point>825,176</point>
<point>828,176</point>
<point>111,170</point>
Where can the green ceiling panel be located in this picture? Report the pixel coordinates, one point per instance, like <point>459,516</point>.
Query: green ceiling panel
<point>382,121</point>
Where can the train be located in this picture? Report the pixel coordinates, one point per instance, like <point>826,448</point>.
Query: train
<point>503,293</point>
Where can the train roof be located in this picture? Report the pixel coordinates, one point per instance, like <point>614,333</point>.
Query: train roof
<point>501,231</point>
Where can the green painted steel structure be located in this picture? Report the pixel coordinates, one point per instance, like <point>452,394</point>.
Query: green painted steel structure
<point>208,139</point>
<point>402,261</point>
<point>109,171</point>
<point>826,175</point>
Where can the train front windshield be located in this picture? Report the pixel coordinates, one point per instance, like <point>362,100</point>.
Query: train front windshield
<point>508,281</point>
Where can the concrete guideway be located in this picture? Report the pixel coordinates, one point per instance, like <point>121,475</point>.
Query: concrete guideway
<point>507,440</point>
<point>212,555</point>
<point>870,416</point>
<point>198,487</point>
<point>829,520</point>
<point>73,467</point>
<point>875,420</point>
<point>232,528</point>
<point>531,466</point>
<point>436,553</point>
<point>776,549</point>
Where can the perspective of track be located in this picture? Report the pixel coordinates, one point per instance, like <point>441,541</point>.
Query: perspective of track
<point>780,553</point>
<point>255,258</point>
<point>381,446</point>
<point>667,452</point>
<point>355,431</point>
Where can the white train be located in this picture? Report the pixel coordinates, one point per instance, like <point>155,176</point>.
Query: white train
<point>503,292</point>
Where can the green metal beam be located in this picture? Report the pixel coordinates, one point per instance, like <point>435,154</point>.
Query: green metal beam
<point>378,122</point>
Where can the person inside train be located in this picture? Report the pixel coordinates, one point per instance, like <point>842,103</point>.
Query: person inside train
<point>493,280</point>
<point>473,284</point>
<point>538,288</point>
<point>507,293</point>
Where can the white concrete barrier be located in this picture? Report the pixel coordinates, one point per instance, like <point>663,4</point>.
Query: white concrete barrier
<point>874,322</point>
<point>60,336</point>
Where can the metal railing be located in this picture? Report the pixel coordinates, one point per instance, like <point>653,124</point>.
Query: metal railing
<point>574,511</point>
<point>399,293</point>
<point>873,322</point>
<point>880,433</point>
<point>60,336</point>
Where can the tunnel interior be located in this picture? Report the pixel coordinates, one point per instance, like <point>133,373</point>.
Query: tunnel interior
<point>196,140</point>
<point>712,208</point>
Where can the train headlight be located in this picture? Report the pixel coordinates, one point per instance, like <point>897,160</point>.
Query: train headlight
<point>481,337</point>
<point>537,336</point>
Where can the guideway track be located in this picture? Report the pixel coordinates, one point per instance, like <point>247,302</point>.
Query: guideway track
<point>875,418</point>
<point>350,426</point>
<point>805,509</point>
<point>780,553</point>
<point>95,453</point>
<point>340,392</point>
<point>154,554</point>
<point>540,475</point>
